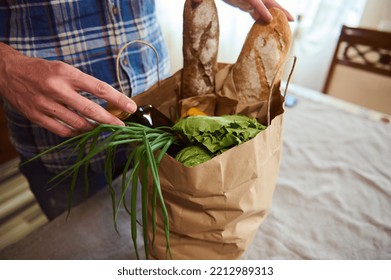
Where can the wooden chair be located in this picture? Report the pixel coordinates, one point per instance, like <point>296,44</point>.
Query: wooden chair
<point>367,53</point>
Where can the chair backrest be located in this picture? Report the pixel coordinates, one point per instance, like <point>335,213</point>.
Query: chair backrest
<point>364,50</point>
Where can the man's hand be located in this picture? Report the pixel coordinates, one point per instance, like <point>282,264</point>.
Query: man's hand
<point>257,8</point>
<point>44,91</point>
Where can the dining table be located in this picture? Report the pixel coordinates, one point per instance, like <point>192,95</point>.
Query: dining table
<point>332,198</point>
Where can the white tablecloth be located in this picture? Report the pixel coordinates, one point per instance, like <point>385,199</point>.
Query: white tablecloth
<point>332,201</point>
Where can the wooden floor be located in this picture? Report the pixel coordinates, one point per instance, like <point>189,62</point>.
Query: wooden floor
<point>19,211</point>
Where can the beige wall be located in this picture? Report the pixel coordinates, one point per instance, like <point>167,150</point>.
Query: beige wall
<point>377,14</point>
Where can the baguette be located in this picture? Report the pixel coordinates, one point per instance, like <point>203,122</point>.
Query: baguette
<point>260,60</point>
<point>200,48</point>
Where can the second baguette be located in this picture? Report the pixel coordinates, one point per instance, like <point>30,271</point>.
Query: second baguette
<point>264,51</point>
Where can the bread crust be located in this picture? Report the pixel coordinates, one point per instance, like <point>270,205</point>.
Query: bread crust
<point>200,48</point>
<point>259,63</point>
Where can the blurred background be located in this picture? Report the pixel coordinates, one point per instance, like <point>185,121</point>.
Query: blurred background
<point>315,35</point>
<point>315,31</point>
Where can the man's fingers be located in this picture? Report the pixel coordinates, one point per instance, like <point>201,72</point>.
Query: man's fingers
<point>91,110</point>
<point>56,126</point>
<point>66,94</point>
<point>103,90</point>
<point>66,123</point>
<point>260,10</point>
<point>70,118</point>
<point>274,4</point>
<point>123,99</point>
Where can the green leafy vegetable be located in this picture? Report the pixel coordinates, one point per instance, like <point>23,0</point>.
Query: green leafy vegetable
<point>193,155</point>
<point>216,134</point>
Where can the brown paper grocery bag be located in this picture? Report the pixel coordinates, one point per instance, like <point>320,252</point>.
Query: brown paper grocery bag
<point>215,208</point>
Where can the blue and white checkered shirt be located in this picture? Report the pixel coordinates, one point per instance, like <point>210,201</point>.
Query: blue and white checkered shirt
<point>88,35</point>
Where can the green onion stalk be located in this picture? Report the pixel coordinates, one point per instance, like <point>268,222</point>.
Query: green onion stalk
<point>149,147</point>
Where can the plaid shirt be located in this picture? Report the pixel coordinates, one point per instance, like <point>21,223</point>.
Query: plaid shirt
<point>88,35</point>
